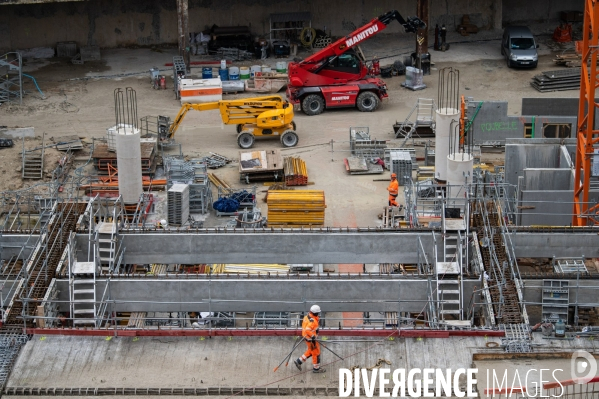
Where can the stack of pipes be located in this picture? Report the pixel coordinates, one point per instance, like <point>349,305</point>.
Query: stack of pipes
<point>296,173</point>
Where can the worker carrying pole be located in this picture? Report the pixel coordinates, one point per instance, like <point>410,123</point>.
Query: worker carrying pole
<point>310,333</point>
<point>393,190</point>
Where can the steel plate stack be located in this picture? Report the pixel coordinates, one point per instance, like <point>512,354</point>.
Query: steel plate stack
<point>561,79</point>
<point>296,208</point>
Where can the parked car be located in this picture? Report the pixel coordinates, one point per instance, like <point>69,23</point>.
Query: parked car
<point>519,47</point>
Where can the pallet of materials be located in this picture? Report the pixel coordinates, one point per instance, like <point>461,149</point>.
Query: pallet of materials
<point>265,165</point>
<point>296,208</point>
<point>362,166</point>
<point>559,80</point>
<point>296,173</point>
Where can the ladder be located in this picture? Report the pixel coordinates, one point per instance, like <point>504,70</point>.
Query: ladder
<point>33,162</point>
<point>450,269</point>
<point>108,247</point>
<point>82,281</point>
<point>424,114</point>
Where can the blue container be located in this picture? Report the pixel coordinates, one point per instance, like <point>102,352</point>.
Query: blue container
<point>224,74</point>
<point>234,73</point>
<point>207,73</point>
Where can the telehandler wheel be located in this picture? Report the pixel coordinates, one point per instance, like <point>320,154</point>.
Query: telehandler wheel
<point>239,128</point>
<point>294,125</point>
<point>289,138</point>
<point>367,101</point>
<point>313,104</point>
<point>245,140</point>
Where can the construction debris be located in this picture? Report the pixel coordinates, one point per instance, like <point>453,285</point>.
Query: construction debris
<point>296,208</point>
<point>215,161</point>
<point>296,173</point>
<point>568,60</point>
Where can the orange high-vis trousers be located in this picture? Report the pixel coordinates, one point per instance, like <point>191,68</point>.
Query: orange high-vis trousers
<point>314,352</point>
<point>392,201</point>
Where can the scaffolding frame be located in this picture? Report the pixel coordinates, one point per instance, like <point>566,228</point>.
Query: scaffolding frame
<point>11,78</point>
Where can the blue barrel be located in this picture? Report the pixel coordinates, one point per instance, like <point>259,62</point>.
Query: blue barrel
<point>207,73</point>
<point>234,73</point>
<point>224,74</point>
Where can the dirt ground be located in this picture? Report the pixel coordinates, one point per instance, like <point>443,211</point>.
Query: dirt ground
<point>80,101</point>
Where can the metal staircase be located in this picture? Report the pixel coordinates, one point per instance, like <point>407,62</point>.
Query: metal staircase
<point>424,114</point>
<point>108,245</point>
<point>83,293</point>
<point>449,270</point>
<point>33,162</point>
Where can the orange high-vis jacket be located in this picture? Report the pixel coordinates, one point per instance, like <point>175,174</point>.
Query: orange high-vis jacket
<point>393,188</point>
<point>309,326</point>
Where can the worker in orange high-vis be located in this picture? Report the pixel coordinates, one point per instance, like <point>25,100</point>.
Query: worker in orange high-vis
<point>310,333</point>
<point>393,190</point>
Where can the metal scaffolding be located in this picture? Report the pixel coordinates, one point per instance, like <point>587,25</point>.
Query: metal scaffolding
<point>11,78</point>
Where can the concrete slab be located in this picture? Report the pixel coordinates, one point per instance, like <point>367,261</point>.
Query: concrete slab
<point>17,132</point>
<point>103,362</point>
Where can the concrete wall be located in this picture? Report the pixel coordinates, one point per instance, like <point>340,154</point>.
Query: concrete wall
<point>526,12</point>
<point>536,210</point>
<point>548,179</point>
<point>492,125</point>
<point>112,23</point>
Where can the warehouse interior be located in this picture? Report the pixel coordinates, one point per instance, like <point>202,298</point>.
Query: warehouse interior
<point>139,228</point>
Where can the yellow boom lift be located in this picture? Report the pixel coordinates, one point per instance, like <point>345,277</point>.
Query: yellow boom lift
<point>268,116</point>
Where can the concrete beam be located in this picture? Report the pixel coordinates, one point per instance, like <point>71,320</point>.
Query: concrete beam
<point>332,246</point>
<point>545,245</point>
<point>276,247</point>
<point>334,294</point>
<point>11,245</point>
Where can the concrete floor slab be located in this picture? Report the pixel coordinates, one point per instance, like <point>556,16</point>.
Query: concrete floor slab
<point>245,362</point>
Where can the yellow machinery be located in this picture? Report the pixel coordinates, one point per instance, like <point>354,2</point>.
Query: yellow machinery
<point>254,117</point>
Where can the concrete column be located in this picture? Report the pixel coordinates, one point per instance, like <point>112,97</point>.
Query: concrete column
<point>183,31</point>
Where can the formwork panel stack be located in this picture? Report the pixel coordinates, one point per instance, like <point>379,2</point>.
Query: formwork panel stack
<point>296,208</point>
<point>401,164</point>
<point>178,204</point>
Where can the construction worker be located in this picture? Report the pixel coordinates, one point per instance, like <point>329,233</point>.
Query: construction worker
<point>310,333</point>
<point>393,190</point>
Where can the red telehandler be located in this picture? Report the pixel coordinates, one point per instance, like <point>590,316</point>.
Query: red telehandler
<point>335,76</point>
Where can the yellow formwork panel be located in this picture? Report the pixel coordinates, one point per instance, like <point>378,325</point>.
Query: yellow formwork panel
<point>297,207</point>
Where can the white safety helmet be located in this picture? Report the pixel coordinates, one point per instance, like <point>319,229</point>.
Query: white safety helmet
<point>315,309</point>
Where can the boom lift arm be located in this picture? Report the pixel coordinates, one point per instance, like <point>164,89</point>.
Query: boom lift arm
<point>238,112</point>
<point>375,26</point>
<point>269,116</point>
